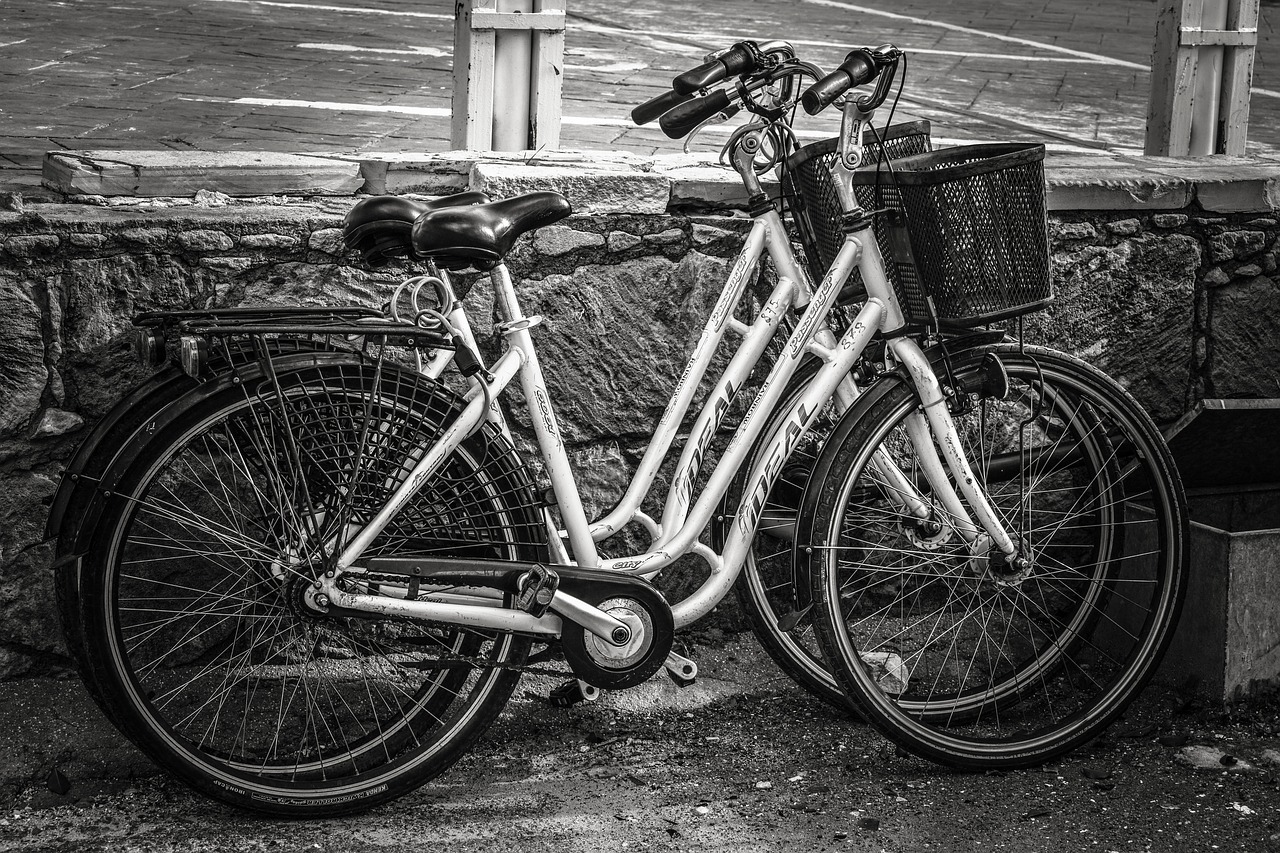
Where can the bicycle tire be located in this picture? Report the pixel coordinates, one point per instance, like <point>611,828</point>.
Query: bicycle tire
<point>767,587</point>
<point>98,452</point>
<point>190,595</point>
<point>954,655</point>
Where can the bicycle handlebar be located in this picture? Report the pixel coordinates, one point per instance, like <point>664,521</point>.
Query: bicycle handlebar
<point>655,107</point>
<point>684,117</point>
<point>859,67</point>
<point>742,58</point>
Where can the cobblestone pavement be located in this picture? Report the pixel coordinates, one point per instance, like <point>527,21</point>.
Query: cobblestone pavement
<point>291,75</point>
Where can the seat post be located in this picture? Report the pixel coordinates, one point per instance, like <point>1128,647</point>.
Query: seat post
<point>515,328</point>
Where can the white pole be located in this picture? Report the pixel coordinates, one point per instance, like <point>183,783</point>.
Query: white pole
<point>1208,92</point>
<point>513,64</point>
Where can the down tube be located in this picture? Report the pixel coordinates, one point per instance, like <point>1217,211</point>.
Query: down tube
<point>695,369</point>
<point>765,473</point>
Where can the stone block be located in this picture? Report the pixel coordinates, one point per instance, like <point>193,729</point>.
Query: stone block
<point>699,185</point>
<point>184,173</point>
<point>1133,195</point>
<point>446,172</point>
<point>400,174</point>
<point>591,190</point>
<point>205,240</point>
<point>1240,195</point>
<point>1229,633</point>
<point>22,354</point>
<point>1112,182</point>
<point>1129,309</point>
<point>557,240</point>
<point>269,241</point>
<point>1244,328</point>
<point>1236,244</point>
<point>615,338</point>
<point>32,245</point>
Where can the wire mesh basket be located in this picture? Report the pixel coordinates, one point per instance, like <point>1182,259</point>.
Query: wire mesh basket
<point>815,208</point>
<point>975,216</point>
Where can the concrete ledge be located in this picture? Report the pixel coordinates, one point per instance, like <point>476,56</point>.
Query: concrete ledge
<point>589,189</point>
<point>617,182</point>
<point>154,174</point>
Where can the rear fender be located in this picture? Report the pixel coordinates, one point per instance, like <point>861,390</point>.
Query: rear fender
<point>132,445</point>
<point>98,449</point>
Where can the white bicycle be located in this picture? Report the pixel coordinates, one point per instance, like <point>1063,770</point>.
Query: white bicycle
<point>305,577</point>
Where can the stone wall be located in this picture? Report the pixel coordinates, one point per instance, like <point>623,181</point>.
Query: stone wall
<point>1179,305</point>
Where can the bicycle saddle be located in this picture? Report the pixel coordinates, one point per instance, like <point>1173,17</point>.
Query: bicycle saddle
<point>381,227</point>
<point>481,235</point>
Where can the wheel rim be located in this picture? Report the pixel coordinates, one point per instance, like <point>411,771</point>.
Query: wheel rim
<point>214,649</point>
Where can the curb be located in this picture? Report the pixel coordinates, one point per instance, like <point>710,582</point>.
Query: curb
<point>618,182</point>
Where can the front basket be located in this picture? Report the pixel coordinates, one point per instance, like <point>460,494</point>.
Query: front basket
<point>976,220</point>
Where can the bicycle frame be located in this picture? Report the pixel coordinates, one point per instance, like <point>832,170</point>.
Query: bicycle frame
<point>685,514</point>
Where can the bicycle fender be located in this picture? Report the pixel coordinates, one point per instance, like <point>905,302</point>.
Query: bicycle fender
<point>97,449</point>
<point>964,349</point>
<point>131,446</point>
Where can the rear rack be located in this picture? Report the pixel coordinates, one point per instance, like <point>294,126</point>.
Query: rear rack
<point>185,337</point>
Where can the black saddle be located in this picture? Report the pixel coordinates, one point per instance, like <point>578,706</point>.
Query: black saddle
<point>481,235</point>
<point>381,228</point>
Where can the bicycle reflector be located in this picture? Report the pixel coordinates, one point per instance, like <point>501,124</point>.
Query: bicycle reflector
<point>194,355</point>
<point>148,346</point>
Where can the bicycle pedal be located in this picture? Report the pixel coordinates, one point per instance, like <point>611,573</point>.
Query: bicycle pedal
<point>680,669</point>
<point>573,691</point>
<point>537,587</point>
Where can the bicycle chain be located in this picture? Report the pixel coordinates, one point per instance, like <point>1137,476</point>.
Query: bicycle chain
<point>480,662</point>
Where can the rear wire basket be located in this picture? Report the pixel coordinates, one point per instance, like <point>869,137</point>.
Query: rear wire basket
<point>975,216</point>
<point>815,208</point>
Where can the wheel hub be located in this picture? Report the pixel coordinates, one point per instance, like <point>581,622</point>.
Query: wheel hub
<point>640,627</point>
<point>989,561</point>
<point>928,534</point>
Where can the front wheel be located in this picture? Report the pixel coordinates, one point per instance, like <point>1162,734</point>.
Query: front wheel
<point>193,597</point>
<point>952,652</point>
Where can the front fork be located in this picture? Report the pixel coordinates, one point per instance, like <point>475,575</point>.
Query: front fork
<point>931,428</point>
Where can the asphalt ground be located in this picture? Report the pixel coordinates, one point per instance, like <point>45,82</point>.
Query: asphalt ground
<point>311,77</point>
<point>741,761</point>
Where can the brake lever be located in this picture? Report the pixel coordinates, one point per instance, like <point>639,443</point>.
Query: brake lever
<point>720,117</point>
<point>887,56</point>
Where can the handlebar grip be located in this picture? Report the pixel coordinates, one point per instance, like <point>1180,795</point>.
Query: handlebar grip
<point>681,119</point>
<point>738,59</point>
<point>858,67</point>
<point>655,107</point>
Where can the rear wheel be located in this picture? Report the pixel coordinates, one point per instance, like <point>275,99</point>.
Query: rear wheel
<point>193,608</point>
<point>775,605</point>
<point>948,649</point>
